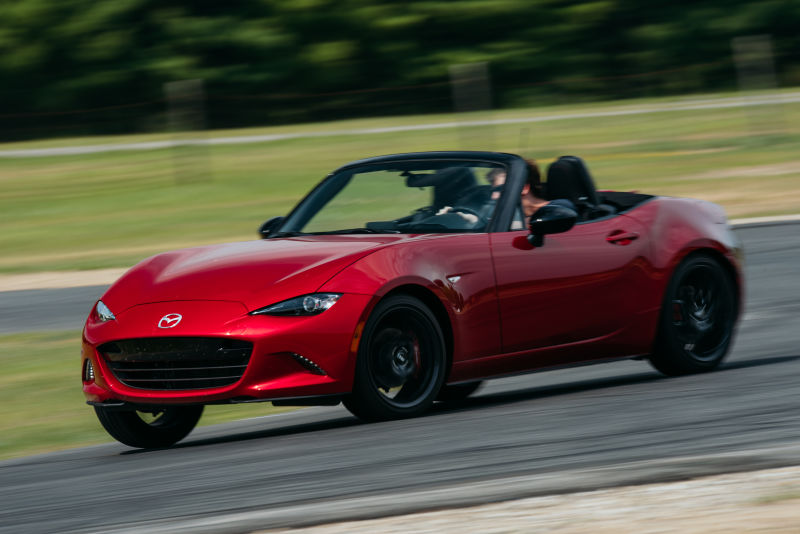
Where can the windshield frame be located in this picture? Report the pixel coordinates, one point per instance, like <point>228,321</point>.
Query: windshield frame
<point>320,195</point>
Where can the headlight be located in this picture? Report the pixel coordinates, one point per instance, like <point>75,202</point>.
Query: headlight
<point>303,305</point>
<point>103,313</point>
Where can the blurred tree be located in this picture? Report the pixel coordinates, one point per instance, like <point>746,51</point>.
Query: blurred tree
<point>89,66</point>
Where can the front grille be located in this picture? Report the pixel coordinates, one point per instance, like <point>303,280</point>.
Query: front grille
<point>170,363</point>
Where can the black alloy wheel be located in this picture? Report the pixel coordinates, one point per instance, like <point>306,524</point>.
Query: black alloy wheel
<point>401,361</point>
<point>149,430</point>
<point>697,318</point>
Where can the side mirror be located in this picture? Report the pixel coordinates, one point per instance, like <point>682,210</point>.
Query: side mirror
<point>270,226</point>
<point>550,219</point>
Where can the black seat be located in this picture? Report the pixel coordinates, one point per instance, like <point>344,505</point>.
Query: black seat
<point>568,178</point>
<point>450,184</point>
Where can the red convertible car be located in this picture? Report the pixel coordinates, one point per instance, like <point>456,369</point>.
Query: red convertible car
<point>406,279</point>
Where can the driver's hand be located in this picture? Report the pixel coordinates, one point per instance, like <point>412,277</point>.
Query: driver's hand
<point>469,217</point>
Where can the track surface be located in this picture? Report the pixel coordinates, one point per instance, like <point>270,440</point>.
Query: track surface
<point>33,310</point>
<point>540,425</point>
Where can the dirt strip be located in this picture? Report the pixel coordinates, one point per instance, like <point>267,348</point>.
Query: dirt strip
<point>59,279</point>
<point>757,502</point>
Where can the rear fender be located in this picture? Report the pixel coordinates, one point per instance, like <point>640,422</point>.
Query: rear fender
<point>680,227</point>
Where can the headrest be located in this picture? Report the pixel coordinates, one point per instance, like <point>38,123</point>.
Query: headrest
<point>569,178</point>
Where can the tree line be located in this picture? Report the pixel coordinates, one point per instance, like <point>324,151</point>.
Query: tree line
<point>100,66</point>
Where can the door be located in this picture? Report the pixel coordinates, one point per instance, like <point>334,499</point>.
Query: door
<point>580,285</point>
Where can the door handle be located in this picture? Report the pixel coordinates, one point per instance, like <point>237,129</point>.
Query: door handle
<point>621,237</point>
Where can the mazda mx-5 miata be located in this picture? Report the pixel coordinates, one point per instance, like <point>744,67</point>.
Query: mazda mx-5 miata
<point>406,279</point>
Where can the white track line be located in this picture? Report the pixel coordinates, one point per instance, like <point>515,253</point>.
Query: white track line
<point>764,221</point>
<point>690,105</point>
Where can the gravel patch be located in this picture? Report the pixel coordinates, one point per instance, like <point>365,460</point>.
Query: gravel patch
<point>757,502</point>
<point>59,279</point>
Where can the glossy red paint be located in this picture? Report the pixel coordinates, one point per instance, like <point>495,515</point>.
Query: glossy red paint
<point>254,273</point>
<point>573,289</point>
<point>590,294</point>
<point>272,373</point>
<point>678,227</point>
<point>455,269</point>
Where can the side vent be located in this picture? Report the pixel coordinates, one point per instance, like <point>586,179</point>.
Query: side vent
<point>308,364</point>
<point>88,370</point>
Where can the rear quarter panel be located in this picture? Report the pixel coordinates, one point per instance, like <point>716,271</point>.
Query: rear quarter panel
<point>678,227</point>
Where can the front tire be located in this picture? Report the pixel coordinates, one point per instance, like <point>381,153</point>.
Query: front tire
<point>401,362</point>
<point>697,318</point>
<point>147,430</point>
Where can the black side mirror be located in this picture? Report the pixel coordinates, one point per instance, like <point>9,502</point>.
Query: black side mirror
<point>270,226</point>
<point>550,219</point>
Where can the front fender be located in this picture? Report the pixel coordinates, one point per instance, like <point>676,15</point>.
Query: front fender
<point>456,268</point>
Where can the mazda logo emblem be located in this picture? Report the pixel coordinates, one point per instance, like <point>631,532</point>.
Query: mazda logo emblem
<point>170,320</point>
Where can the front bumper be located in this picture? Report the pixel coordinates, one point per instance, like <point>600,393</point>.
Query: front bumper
<point>278,367</point>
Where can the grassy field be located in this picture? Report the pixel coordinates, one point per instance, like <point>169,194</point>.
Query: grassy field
<point>41,405</point>
<point>112,209</point>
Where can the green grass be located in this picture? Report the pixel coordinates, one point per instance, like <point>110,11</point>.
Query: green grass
<point>113,209</point>
<point>789,495</point>
<point>42,407</point>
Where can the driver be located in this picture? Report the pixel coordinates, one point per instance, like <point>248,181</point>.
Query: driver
<point>531,197</point>
<point>532,193</point>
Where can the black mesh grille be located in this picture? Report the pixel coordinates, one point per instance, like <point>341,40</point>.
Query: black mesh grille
<point>169,363</point>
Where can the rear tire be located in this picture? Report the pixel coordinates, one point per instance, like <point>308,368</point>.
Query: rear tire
<point>697,318</point>
<point>401,362</point>
<point>146,430</point>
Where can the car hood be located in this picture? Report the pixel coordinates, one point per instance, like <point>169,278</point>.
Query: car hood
<point>255,273</point>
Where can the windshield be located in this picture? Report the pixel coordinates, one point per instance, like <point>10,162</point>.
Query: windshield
<point>405,197</point>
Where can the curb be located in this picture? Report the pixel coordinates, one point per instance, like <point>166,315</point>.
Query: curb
<point>482,492</point>
<point>754,222</point>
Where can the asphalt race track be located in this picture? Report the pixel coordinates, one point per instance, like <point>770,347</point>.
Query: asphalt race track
<point>47,309</point>
<point>549,432</point>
